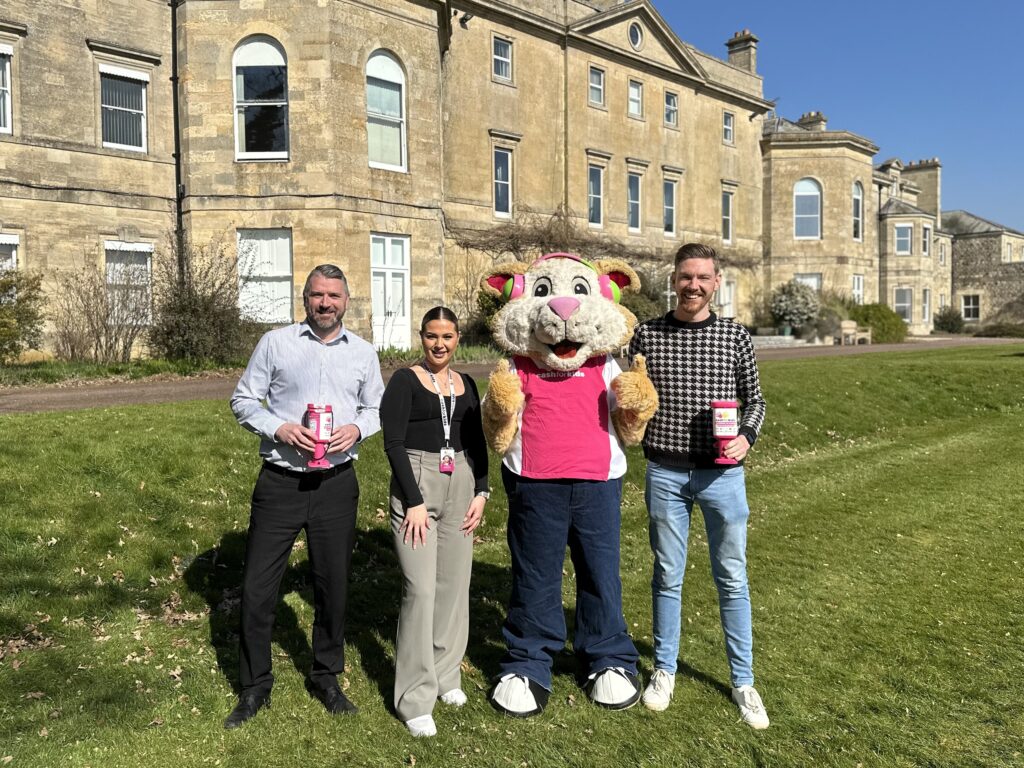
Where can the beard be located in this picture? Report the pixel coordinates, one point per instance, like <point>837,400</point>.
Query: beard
<point>323,322</point>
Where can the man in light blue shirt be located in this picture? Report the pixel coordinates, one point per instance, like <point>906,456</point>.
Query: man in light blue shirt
<point>316,361</point>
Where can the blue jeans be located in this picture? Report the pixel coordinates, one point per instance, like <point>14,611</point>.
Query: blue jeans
<point>721,494</point>
<point>543,517</point>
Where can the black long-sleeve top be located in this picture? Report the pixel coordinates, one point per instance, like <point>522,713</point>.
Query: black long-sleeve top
<point>411,419</point>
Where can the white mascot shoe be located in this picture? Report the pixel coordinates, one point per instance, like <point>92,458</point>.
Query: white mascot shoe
<point>613,688</point>
<point>518,696</point>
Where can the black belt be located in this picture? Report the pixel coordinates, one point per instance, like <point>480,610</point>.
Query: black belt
<point>319,474</point>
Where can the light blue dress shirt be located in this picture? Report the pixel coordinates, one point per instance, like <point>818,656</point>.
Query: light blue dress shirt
<point>290,368</point>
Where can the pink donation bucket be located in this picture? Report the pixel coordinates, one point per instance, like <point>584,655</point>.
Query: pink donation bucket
<point>725,426</point>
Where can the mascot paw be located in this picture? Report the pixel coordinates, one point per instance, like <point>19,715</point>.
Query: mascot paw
<point>613,688</point>
<point>501,407</point>
<point>519,696</point>
<point>636,401</point>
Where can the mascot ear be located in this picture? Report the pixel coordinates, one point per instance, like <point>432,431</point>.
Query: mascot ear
<point>615,278</point>
<point>506,281</point>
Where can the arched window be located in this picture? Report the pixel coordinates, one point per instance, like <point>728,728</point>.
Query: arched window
<point>858,211</point>
<point>807,210</point>
<point>261,100</point>
<point>385,112</point>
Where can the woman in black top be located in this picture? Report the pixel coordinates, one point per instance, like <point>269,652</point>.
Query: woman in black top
<point>434,442</point>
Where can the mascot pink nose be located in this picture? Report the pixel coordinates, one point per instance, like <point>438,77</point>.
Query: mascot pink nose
<point>564,306</point>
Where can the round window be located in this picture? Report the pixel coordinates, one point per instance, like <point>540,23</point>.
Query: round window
<point>636,35</point>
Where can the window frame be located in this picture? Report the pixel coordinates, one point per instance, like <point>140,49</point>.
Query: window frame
<point>591,70</point>
<point>277,277</point>
<point>857,288</point>
<point>728,223</point>
<point>7,86</point>
<point>673,109</point>
<point>123,246</point>
<point>639,101</point>
<point>401,122</point>
<point>975,307</point>
<point>1008,253</point>
<point>495,59</point>
<point>728,128</point>
<point>634,205</point>
<point>926,305</point>
<point>909,239</point>
<point>858,212</point>
<point>495,182</point>
<point>639,44</point>
<point>909,304</point>
<point>942,253</point>
<point>14,242</point>
<point>926,241</point>
<point>666,217</point>
<point>240,104</point>
<point>812,279</point>
<point>803,217</point>
<point>121,73</point>
<point>599,197</point>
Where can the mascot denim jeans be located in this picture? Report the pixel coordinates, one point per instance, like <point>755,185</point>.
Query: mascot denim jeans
<point>721,493</point>
<point>544,517</point>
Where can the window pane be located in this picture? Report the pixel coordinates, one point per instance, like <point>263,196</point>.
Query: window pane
<point>807,226</point>
<point>123,104</point>
<point>261,83</point>
<point>596,86</point>
<point>397,252</point>
<point>594,195</point>
<point>633,185</point>
<point>121,127</point>
<point>8,257</point>
<point>265,129</point>
<point>385,141</point>
<point>383,98</point>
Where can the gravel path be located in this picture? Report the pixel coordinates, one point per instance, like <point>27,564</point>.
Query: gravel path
<point>104,394</point>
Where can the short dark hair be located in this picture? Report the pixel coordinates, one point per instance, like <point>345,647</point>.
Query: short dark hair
<point>439,313</point>
<point>328,271</point>
<point>698,251</point>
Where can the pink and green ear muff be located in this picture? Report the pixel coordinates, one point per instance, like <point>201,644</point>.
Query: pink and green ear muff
<point>514,287</point>
<point>609,288</point>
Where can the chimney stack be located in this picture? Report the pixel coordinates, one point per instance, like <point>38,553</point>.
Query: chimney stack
<point>742,48</point>
<point>813,121</point>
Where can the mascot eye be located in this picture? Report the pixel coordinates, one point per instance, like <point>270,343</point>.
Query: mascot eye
<point>581,287</point>
<point>542,287</point>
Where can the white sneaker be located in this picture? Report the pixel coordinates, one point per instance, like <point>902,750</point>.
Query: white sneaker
<point>614,688</point>
<point>422,726</point>
<point>751,707</point>
<point>658,692</point>
<point>455,697</point>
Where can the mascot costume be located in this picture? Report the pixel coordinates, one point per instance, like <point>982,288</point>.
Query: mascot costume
<point>559,412</point>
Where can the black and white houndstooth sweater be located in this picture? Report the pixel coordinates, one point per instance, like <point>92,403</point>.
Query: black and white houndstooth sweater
<point>692,364</point>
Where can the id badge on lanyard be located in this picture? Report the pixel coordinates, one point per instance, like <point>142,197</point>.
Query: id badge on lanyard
<point>446,464</point>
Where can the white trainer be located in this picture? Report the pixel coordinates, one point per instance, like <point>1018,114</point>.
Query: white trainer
<point>659,690</point>
<point>751,707</point>
<point>455,697</point>
<point>422,726</point>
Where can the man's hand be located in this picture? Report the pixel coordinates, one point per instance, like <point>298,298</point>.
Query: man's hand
<point>296,436</point>
<point>343,438</point>
<point>737,448</point>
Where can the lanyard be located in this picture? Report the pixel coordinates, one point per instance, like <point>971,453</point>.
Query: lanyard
<point>446,419</point>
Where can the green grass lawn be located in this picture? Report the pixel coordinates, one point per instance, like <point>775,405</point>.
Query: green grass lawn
<point>885,552</point>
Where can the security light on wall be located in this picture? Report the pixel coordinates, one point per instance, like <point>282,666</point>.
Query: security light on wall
<point>464,21</point>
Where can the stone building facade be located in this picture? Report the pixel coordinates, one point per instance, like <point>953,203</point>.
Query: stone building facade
<point>988,269</point>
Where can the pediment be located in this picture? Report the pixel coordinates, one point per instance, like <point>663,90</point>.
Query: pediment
<point>660,45</point>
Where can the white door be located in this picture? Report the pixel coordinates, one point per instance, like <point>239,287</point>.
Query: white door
<point>389,271</point>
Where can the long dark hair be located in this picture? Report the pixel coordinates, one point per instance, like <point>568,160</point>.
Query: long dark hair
<point>439,313</point>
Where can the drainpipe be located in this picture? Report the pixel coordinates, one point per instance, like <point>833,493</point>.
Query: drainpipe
<point>179,186</point>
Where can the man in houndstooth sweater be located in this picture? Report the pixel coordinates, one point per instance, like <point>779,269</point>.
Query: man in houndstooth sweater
<point>694,357</point>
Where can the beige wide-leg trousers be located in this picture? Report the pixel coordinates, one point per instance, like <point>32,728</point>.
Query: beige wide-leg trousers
<point>433,625</point>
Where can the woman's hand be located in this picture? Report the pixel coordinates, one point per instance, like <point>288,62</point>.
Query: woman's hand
<point>415,525</point>
<point>473,515</point>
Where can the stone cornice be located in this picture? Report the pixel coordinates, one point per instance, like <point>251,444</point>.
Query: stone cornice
<point>818,139</point>
<point>13,28</point>
<point>120,52</point>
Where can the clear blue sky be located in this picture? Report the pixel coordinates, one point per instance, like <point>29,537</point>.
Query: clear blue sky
<point>919,79</point>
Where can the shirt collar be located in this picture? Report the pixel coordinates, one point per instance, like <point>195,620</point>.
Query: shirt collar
<point>306,330</point>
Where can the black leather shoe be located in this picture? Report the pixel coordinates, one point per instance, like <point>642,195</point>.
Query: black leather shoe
<point>334,700</point>
<point>248,705</point>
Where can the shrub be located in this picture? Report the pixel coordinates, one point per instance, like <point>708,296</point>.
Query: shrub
<point>196,313</point>
<point>1003,330</point>
<point>948,319</point>
<point>886,326</point>
<point>794,304</point>
<point>21,314</point>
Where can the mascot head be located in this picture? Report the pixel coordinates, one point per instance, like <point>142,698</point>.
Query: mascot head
<point>562,309</point>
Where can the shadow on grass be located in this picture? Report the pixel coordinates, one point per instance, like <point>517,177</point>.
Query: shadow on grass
<point>375,588</point>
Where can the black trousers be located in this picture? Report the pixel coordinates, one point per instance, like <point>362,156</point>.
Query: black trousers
<point>325,506</point>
